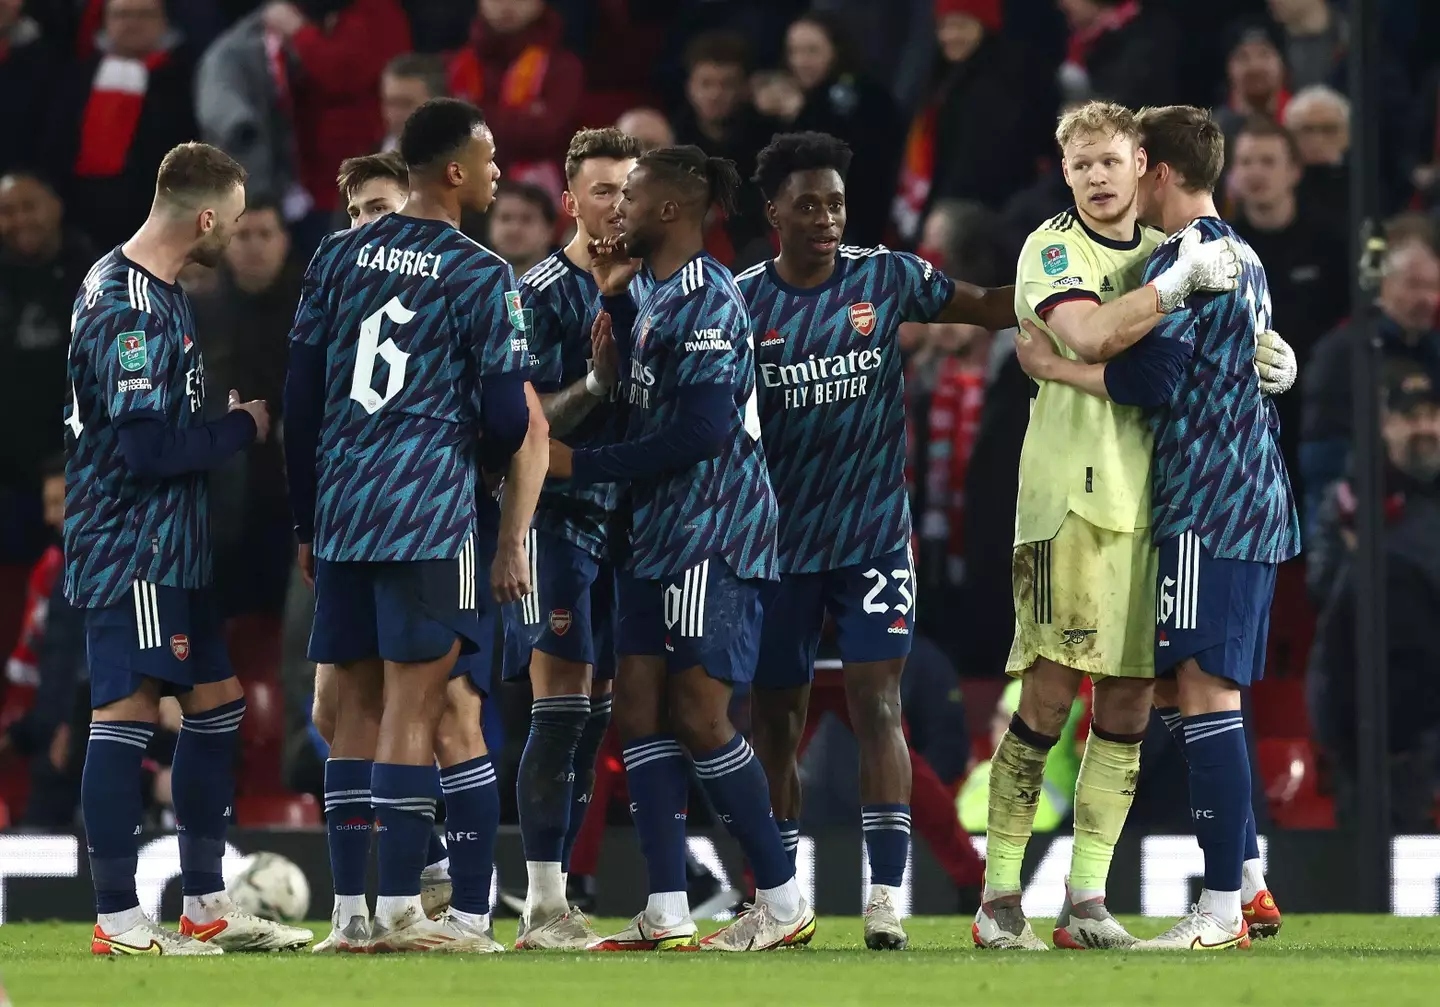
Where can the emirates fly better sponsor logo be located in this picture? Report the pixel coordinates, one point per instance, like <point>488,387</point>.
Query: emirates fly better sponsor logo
<point>817,381</point>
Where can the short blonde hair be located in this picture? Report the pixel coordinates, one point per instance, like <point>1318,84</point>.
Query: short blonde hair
<point>1104,117</point>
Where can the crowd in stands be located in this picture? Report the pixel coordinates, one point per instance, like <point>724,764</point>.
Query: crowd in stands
<point>949,106</point>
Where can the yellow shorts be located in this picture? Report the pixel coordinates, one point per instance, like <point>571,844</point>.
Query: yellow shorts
<point>1086,599</point>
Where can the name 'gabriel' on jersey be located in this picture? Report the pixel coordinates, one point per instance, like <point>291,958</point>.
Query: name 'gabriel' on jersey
<point>411,313</point>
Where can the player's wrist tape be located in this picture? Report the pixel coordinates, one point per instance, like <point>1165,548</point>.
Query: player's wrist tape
<point>595,387</point>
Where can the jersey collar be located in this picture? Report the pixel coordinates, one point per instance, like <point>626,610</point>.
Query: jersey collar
<point>836,275</point>
<point>1100,239</point>
<point>120,256</point>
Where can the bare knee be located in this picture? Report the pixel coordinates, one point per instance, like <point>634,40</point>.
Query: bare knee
<point>142,705</point>
<point>1166,693</point>
<point>1046,695</point>
<point>700,711</point>
<point>1202,693</point>
<point>639,704</point>
<point>1122,705</point>
<point>872,695</point>
<point>460,736</point>
<point>322,709</point>
<point>777,720</point>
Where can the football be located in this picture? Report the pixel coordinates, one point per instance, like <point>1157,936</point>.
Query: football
<point>272,887</point>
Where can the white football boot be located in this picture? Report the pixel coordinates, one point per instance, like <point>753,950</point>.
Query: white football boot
<point>352,938</point>
<point>240,931</point>
<point>148,938</point>
<point>757,929</point>
<point>446,934</point>
<point>1088,924</point>
<point>1000,923</point>
<point>1198,931</point>
<point>883,931</point>
<point>643,934</point>
<point>570,931</point>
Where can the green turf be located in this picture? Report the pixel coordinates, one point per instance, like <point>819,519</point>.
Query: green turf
<point>1316,960</point>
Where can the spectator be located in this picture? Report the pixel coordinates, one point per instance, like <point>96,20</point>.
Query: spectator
<point>1315,39</point>
<point>409,81</point>
<point>1255,78</point>
<point>42,264</point>
<point>341,48</point>
<point>843,102</point>
<point>522,225</point>
<point>976,100</point>
<point>25,71</point>
<point>1410,428</point>
<point>516,68</point>
<point>116,114</point>
<point>1306,254</point>
<point>242,102</point>
<point>649,126</point>
<point>1111,53</point>
<point>1402,326</point>
<point>243,327</point>
<point>1319,118</point>
<point>896,42</point>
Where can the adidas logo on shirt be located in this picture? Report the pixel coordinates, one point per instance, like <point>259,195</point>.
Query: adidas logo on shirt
<point>1106,287</point>
<point>773,338</point>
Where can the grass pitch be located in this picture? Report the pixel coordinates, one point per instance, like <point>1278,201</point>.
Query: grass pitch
<point>1316,960</point>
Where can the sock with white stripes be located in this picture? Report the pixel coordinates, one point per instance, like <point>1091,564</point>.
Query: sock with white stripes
<point>789,837</point>
<point>1219,798</point>
<point>543,784</point>
<point>110,801</point>
<point>659,782</point>
<point>1253,872</point>
<point>887,841</point>
<point>404,819</point>
<point>349,820</point>
<point>472,814</point>
<point>202,785</point>
<point>735,781</point>
<point>583,762</point>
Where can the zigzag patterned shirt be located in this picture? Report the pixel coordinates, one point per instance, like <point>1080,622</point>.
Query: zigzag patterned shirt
<point>832,401</point>
<point>1218,470</point>
<point>693,329</point>
<point>132,354</point>
<point>411,314</point>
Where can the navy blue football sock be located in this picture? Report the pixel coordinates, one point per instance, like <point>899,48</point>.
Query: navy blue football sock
<point>472,814</point>
<point>110,801</point>
<point>789,837</point>
<point>887,841</point>
<point>659,780</point>
<point>586,751</point>
<point>543,785</point>
<point>1173,722</point>
<point>202,784</point>
<point>733,778</point>
<point>404,818</point>
<point>349,820</point>
<point>1219,793</point>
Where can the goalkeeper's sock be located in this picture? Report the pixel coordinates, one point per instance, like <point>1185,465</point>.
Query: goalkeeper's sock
<point>1104,791</point>
<point>1017,772</point>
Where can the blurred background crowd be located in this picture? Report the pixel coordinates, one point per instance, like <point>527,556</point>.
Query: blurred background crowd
<point>949,106</point>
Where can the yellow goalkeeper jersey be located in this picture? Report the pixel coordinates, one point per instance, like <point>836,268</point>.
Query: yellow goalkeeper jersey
<point>1081,453</point>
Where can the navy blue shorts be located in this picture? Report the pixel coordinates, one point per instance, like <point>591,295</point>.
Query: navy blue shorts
<point>170,634</point>
<point>704,616</point>
<point>570,614</point>
<point>873,604</point>
<point>479,667</point>
<point>1214,610</point>
<point>402,612</point>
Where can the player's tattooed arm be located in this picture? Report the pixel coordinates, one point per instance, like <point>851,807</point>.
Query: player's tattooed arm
<point>567,407</point>
<point>989,307</point>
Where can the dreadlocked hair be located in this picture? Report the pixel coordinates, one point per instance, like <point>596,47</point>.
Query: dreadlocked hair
<point>711,180</point>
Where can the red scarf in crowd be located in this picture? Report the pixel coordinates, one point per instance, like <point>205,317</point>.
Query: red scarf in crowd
<point>1111,19</point>
<point>955,408</point>
<point>117,94</point>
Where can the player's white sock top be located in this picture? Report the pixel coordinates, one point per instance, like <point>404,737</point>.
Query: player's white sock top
<point>1224,906</point>
<point>784,900</point>
<point>438,871</point>
<point>117,923</point>
<point>389,908</point>
<point>1252,880</point>
<point>668,909</point>
<point>347,906</point>
<point>545,894</point>
<point>1079,895</point>
<point>475,921</point>
<point>892,890</point>
<point>207,908</point>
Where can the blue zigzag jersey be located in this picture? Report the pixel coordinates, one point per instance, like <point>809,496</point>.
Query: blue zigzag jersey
<point>832,401</point>
<point>565,300</point>
<point>411,314</point>
<point>1218,470</point>
<point>132,353</point>
<point>693,329</point>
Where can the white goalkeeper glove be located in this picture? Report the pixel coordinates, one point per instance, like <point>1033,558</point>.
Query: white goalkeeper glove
<point>1201,265</point>
<point>1275,363</point>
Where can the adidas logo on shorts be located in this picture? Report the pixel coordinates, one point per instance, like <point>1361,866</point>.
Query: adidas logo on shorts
<point>899,628</point>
